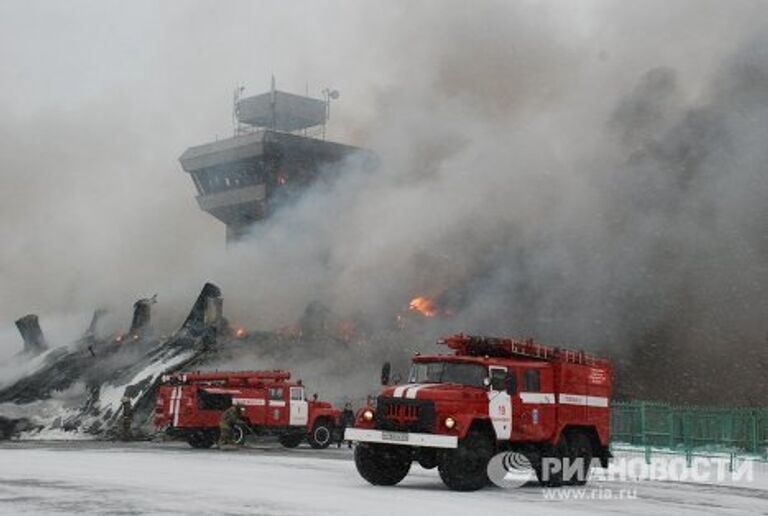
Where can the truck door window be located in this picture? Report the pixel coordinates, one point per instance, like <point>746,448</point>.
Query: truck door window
<point>497,379</point>
<point>297,393</point>
<point>531,381</point>
<point>276,393</point>
<point>511,383</point>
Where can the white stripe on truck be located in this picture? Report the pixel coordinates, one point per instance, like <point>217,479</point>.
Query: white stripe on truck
<point>544,398</point>
<point>258,402</point>
<point>411,393</point>
<point>578,399</point>
<point>564,399</point>
<point>400,389</point>
<point>174,406</point>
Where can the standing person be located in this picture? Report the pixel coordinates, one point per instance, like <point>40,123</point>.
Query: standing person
<point>126,418</point>
<point>229,419</point>
<point>347,419</point>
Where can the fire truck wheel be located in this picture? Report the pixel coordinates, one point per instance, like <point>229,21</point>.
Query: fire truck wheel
<point>200,440</point>
<point>320,436</point>
<point>466,468</point>
<point>557,452</point>
<point>238,434</point>
<point>291,440</point>
<point>580,448</point>
<point>382,464</point>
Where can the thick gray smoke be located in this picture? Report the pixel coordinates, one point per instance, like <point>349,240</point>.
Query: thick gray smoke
<point>592,174</point>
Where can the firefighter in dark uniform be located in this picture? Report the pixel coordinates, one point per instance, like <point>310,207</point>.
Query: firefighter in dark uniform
<point>126,418</point>
<point>229,419</point>
<point>347,419</point>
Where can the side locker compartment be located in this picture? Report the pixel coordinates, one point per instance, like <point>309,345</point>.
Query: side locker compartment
<point>259,406</point>
<point>547,418</point>
<point>519,411</point>
<point>572,395</point>
<point>187,406</point>
<point>176,409</point>
<point>277,406</point>
<point>538,398</point>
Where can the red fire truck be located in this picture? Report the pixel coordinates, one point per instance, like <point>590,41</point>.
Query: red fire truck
<point>189,405</point>
<point>492,395</point>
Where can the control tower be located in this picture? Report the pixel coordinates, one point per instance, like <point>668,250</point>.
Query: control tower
<point>270,159</point>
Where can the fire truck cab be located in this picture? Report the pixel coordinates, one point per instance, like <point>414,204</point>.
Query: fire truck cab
<point>189,406</point>
<point>492,395</point>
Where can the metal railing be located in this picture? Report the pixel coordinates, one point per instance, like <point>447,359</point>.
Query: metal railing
<point>643,423</point>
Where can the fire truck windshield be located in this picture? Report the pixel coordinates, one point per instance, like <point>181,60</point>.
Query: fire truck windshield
<point>448,372</point>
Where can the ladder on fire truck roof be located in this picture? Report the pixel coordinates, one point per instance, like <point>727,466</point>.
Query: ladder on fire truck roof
<point>473,345</point>
<point>227,376</point>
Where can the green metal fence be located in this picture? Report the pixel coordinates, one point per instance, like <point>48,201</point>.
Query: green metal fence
<point>657,424</point>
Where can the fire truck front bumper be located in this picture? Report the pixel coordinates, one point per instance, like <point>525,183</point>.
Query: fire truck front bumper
<point>402,438</point>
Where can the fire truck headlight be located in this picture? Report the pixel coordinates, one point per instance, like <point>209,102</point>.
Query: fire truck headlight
<point>449,422</point>
<point>368,415</point>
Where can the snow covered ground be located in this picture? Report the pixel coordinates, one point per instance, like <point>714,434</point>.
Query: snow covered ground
<point>170,478</point>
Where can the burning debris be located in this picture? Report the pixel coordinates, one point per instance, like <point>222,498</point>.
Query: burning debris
<point>423,305</point>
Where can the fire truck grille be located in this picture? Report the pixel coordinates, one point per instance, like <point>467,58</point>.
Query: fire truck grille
<point>404,415</point>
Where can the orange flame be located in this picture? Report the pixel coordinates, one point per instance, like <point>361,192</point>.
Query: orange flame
<point>424,305</point>
<point>241,333</point>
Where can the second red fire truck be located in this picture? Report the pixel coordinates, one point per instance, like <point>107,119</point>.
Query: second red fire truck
<point>491,395</point>
<point>189,405</point>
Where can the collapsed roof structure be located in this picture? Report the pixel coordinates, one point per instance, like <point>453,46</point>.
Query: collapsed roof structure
<point>107,368</point>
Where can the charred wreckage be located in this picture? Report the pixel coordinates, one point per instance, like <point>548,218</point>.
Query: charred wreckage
<point>168,382</point>
<point>111,368</point>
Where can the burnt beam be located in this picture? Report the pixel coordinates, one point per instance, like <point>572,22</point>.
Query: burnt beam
<point>142,316</point>
<point>98,314</point>
<point>34,341</point>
